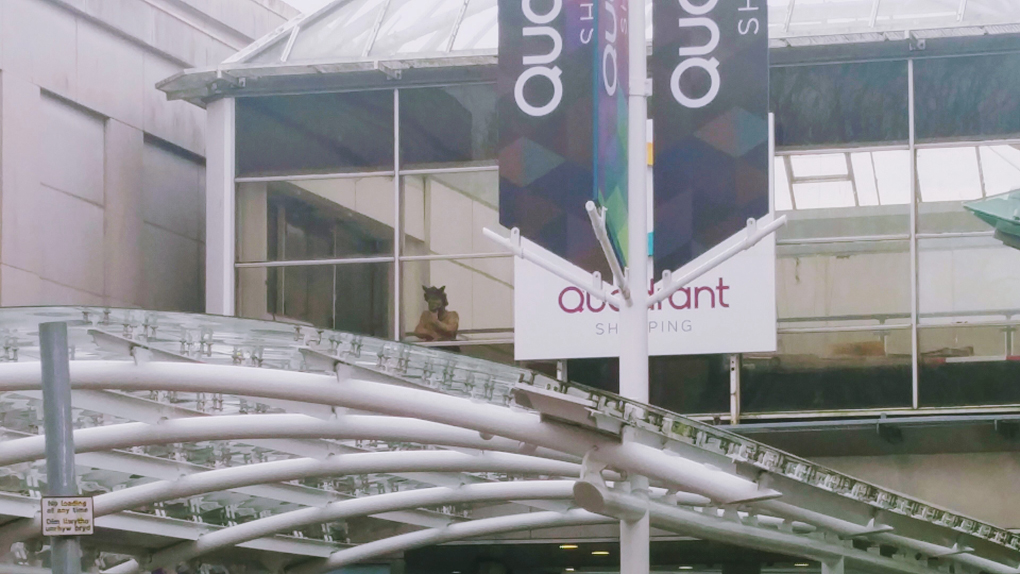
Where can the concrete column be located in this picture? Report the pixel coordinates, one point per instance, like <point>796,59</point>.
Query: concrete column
<point>219,214</point>
<point>122,224</point>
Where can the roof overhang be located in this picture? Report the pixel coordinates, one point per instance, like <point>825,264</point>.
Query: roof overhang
<point>202,85</point>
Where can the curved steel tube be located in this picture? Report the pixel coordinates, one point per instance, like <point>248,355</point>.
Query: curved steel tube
<point>263,426</point>
<point>535,490</point>
<point>420,538</point>
<point>284,470</point>
<point>527,427</point>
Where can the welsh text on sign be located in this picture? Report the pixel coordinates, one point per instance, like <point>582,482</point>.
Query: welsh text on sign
<point>67,516</point>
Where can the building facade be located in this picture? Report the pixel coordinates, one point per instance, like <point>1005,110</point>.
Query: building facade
<point>103,178</point>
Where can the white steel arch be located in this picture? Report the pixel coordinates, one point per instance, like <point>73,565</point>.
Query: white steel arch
<point>626,455</point>
<point>286,470</point>
<point>549,490</point>
<point>473,417</point>
<point>267,426</point>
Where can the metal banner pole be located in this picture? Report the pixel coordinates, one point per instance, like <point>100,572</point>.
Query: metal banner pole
<point>634,315</point>
<point>65,552</point>
<point>635,534</point>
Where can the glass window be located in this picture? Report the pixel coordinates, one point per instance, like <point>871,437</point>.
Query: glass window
<point>969,304</point>
<point>843,193</point>
<point>341,34</point>
<point>948,177</point>
<point>315,219</point>
<point>840,103</point>
<point>316,133</point>
<point>686,384</point>
<point>455,124</point>
<point>843,284</point>
<point>844,330</point>
<point>967,96</point>
<point>444,214</point>
<point>478,29</point>
<point>416,27</point>
<point>353,297</point>
<point>478,296</point>
<point>969,365</point>
<point>828,371</point>
<point>967,280</point>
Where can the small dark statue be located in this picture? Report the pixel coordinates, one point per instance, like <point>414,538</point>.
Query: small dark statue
<point>437,324</point>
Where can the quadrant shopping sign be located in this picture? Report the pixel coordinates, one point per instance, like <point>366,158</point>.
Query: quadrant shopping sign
<point>710,80</point>
<point>562,118</point>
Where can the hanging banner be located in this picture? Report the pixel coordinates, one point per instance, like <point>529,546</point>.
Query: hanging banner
<point>731,309</point>
<point>611,90</point>
<point>545,88</point>
<point>710,79</point>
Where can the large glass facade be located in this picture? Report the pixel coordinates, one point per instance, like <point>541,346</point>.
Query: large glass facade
<point>890,296</point>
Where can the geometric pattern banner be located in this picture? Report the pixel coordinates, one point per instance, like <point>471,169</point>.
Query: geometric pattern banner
<point>710,79</point>
<point>611,79</point>
<point>545,107</point>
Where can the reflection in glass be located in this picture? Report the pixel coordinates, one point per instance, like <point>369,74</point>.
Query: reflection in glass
<point>315,133</point>
<point>969,365</point>
<point>843,283</point>
<point>444,214</point>
<point>839,103</point>
<point>341,34</point>
<point>967,96</point>
<point>454,124</point>
<point>354,298</point>
<point>949,176</point>
<point>416,27</point>
<point>967,280</point>
<point>478,29</point>
<point>315,219</point>
<point>686,384</point>
<point>825,371</point>
<point>835,194</point>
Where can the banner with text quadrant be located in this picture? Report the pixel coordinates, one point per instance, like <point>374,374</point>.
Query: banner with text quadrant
<point>709,70</point>
<point>611,121</point>
<point>545,104</point>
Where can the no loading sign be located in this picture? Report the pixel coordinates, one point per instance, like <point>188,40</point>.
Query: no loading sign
<point>67,516</point>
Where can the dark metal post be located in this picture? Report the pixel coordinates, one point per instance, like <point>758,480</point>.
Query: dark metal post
<point>65,552</point>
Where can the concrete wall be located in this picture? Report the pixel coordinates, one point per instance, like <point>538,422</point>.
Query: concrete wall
<point>101,178</point>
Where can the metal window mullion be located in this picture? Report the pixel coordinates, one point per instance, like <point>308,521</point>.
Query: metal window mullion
<point>914,288</point>
<point>313,176</point>
<point>398,215</point>
<point>313,262</point>
<point>445,170</point>
<point>454,257</point>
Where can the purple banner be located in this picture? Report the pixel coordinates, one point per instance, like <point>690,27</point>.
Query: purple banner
<point>710,73</point>
<point>611,65</point>
<point>546,51</point>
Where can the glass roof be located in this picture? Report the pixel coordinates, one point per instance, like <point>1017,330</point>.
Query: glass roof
<point>366,30</point>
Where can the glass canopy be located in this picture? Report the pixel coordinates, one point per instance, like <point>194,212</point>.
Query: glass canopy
<point>366,30</point>
<point>139,468</point>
